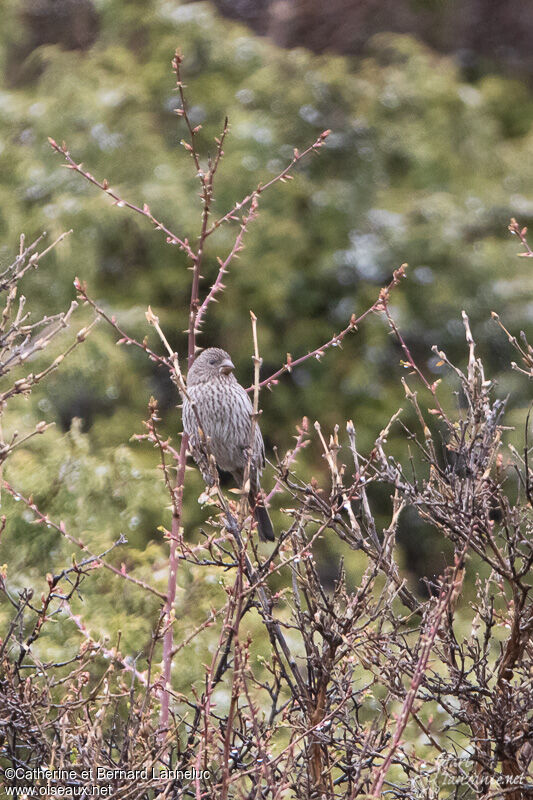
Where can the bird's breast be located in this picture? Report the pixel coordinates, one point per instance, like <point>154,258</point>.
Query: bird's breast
<point>224,411</point>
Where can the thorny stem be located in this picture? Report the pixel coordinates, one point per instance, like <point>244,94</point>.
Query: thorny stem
<point>280,177</point>
<point>45,520</point>
<point>218,285</point>
<point>103,185</point>
<point>431,388</point>
<point>168,637</point>
<point>335,340</point>
<point>255,414</point>
<point>428,638</point>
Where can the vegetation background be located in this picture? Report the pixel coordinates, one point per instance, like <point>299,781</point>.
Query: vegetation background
<point>430,155</point>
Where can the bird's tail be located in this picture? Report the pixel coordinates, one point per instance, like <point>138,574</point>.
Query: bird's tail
<point>264,525</point>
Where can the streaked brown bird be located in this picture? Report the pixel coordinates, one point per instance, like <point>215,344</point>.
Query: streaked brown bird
<point>223,411</point>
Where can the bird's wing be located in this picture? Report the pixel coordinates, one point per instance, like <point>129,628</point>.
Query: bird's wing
<point>190,427</point>
<point>259,448</point>
<point>243,447</point>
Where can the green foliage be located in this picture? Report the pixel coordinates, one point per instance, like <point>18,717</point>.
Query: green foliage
<point>420,167</point>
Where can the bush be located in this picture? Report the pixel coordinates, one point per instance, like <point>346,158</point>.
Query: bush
<point>255,672</point>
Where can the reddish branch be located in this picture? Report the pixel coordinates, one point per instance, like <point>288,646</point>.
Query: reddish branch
<point>103,185</point>
<point>218,285</point>
<point>280,177</point>
<point>337,339</point>
<point>427,641</point>
<point>44,519</point>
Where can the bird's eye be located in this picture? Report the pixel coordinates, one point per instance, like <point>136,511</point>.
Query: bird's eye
<point>212,361</point>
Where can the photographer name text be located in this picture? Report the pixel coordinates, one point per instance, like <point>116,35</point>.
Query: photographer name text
<point>105,774</point>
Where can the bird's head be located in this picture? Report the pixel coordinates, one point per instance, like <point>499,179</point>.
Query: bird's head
<point>210,365</point>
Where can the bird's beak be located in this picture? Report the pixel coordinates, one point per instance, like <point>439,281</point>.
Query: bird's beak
<point>227,366</point>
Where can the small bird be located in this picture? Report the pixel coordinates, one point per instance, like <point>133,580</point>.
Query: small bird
<point>217,417</point>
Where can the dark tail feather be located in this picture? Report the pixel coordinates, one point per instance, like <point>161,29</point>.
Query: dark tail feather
<point>264,525</point>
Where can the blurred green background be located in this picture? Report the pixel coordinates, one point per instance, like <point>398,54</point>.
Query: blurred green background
<point>427,160</point>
